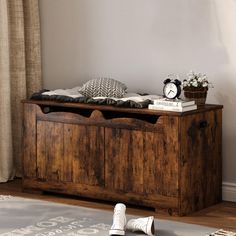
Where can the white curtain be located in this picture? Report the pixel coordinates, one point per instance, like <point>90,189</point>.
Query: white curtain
<point>20,76</point>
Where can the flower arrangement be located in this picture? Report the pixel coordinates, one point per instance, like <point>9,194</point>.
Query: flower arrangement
<point>195,87</point>
<point>196,81</point>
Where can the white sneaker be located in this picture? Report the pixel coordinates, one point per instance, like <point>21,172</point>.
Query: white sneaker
<point>119,220</point>
<point>145,224</point>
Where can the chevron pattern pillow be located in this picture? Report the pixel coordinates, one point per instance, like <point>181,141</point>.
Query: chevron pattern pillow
<point>103,87</point>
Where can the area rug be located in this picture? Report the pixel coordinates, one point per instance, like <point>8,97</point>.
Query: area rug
<point>22,216</point>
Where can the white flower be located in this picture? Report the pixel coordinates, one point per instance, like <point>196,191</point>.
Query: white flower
<point>194,83</point>
<point>200,79</point>
<point>196,80</point>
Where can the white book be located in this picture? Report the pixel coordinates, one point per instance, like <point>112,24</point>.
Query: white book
<point>174,103</point>
<point>172,108</point>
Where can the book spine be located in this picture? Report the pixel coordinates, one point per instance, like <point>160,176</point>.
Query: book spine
<point>173,104</point>
<point>165,108</point>
<point>165,103</point>
<point>169,108</point>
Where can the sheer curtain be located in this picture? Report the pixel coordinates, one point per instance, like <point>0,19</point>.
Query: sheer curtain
<point>20,76</point>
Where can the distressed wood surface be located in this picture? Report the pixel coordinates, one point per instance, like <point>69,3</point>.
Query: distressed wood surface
<point>164,160</point>
<point>143,159</point>
<point>29,141</point>
<point>160,202</point>
<point>151,123</point>
<point>70,153</point>
<point>201,170</point>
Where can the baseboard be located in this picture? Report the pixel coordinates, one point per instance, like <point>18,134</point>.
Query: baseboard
<point>229,191</point>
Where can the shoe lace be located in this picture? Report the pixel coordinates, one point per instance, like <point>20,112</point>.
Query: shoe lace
<point>138,225</point>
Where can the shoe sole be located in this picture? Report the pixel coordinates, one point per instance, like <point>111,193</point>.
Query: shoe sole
<point>116,232</point>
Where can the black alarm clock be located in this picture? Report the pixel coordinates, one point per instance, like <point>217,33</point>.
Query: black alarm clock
<point>172,88</point>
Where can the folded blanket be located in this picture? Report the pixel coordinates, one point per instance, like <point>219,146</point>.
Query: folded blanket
<point>132,100</point>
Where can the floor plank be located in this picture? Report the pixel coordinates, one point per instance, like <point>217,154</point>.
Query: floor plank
<point>222,215</point>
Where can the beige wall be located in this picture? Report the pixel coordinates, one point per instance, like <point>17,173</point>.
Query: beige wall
<point>139,42</point>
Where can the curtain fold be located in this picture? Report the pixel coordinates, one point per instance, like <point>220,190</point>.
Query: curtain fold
<point>20,76</point>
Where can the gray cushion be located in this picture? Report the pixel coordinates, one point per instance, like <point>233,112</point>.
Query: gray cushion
<point>103,87</point>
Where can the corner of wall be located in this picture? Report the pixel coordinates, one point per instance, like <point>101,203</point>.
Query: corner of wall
<point>229,191</point>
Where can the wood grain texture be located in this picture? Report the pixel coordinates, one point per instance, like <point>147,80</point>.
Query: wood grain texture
<point>99,192</point>
<point>70,153</point>
<point>86,149</point>
<point>29,141</point>
<point>124,160</point>
<point>201,171</point>
<point>168,161</point>
<point>50,150</point>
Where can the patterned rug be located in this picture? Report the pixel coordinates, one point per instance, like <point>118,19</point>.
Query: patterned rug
<point>22,216</point>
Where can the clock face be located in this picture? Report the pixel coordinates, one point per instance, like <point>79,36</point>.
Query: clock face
<point>170,90</point>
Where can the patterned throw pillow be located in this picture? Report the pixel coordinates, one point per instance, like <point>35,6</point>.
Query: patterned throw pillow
<point>103,87</point>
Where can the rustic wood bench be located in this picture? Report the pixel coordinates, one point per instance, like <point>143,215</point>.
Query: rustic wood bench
<point>166,160</point>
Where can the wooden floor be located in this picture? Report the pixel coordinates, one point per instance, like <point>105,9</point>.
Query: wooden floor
<point>222,215</point>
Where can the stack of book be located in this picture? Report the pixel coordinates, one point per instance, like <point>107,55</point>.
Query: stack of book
<point>177,105</point>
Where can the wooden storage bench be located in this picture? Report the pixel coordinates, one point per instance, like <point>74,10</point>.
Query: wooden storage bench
<point>166,160</point>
